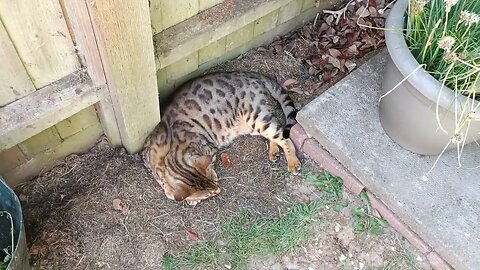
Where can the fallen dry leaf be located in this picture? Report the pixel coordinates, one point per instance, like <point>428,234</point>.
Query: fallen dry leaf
<point>119,205</point>
<point>334,61</point>
<point>350,65</point>
<point>295,90</point>
<point>313,71</point>
<point>225,157</point>
<point>192,235</point>
<point>362,12</point>
<point>290,82</point>
<point>329,19</point>
<point>335,53</point>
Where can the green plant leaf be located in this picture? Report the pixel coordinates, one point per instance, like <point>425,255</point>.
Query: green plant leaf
<point>358,211</point>
<point>366,201</point>
<point>358,225</point>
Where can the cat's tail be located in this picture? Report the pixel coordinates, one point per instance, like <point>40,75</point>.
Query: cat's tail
<point>287,105</point>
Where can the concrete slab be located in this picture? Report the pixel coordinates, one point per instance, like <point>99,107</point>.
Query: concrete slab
<point>444,211</point>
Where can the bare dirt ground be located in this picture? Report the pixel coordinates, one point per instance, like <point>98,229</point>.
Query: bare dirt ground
<point>103,210</point>
<point>72,223</point>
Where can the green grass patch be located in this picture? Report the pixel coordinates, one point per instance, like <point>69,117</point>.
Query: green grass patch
<point>400,261</point>
<point>332,188</point>
<point>245,235</point>
<point>3,265</point>
<point>364,220</point>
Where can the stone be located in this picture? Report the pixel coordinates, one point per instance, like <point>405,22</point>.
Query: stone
<point>444,211</point>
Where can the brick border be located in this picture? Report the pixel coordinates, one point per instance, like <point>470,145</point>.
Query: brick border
<point>314,150</point>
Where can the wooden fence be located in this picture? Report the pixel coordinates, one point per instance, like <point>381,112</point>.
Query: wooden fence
<point>61,57</point>
<point>73,70</point>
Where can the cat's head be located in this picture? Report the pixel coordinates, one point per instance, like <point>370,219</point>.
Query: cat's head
<point>184,174</point>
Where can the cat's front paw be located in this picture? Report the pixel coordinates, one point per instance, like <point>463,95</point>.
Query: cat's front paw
<point>192,203</point>
<point>294,165</point>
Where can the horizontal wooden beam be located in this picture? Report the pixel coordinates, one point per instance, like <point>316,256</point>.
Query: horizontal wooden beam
<point>197,32</point>
<point>47,106</point>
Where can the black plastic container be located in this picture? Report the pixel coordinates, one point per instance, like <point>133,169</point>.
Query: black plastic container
<point>10,203</point>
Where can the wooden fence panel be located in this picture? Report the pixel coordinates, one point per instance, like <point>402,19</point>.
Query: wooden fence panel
<point>39,33</point>
<point>124,37</point>
<point>14,80</point>
<point>174,12</point>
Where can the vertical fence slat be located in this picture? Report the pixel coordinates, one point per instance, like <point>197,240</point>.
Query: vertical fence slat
<point>40,35</point>
<point>156,16</point>
<point>124,36</point>
<point>14,80</point>
<point>174,12</point>
<point>88,50</point>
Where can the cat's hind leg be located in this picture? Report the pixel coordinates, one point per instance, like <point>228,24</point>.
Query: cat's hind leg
<point>273,151</point>
<point>273,131</point>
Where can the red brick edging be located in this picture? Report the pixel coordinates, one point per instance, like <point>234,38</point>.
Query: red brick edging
<point>314,150</point>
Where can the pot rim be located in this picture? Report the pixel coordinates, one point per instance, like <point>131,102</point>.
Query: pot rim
<point>403,59</point>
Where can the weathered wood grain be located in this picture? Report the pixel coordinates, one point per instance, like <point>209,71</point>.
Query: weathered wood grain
<point>14,80</point>
<point>89,52</point>
<point>40,35</point>
<point>124,37</point>
<point>45,107</point>
<point>174,12</point>
<point>156,16</point>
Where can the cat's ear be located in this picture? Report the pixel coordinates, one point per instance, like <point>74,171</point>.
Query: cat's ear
<point>182,191</point>
<point>203,163</point>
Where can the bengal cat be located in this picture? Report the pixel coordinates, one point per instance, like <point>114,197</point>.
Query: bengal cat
<point>208,113</point>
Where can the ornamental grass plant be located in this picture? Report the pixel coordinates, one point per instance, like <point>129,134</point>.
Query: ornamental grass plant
<point>444,37</point>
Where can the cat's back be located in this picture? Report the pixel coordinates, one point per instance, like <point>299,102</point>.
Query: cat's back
<point>217,86</point>
<point>225,91</point>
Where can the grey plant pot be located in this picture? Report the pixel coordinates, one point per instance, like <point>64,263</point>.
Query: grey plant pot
<point>408,113</point>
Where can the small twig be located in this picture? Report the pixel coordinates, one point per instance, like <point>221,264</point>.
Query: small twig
<point>226,178</point>
<point>80,261</point>
<point>156,227</point>
<point>315,21</point>
<point>338,13</point>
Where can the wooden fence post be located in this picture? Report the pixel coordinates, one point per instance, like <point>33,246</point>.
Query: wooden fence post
<point>124,39</point>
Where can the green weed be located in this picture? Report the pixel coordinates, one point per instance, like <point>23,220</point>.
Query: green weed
<point>364,220</point>
<point>332,188</point>
<point>400,261</point>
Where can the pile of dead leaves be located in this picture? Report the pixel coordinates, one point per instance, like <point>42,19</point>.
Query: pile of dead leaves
<point>337,37</point>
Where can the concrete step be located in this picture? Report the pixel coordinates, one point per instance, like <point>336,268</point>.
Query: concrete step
<point>444,211</point>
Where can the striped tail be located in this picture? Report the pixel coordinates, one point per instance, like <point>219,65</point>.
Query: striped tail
<point>287,105</point>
